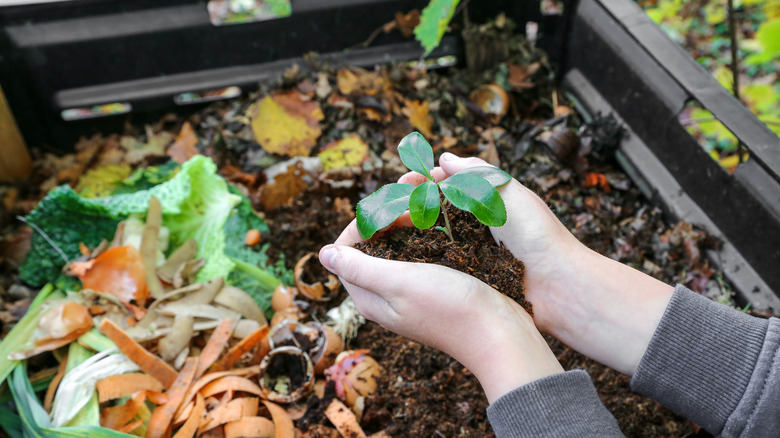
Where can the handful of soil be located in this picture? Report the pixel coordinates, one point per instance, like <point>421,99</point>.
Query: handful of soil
<point>473,252</point>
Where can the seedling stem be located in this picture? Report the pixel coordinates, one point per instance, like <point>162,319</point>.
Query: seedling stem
<point>447,229</point>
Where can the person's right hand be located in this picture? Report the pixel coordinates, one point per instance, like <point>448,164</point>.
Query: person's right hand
<point>600,307</point>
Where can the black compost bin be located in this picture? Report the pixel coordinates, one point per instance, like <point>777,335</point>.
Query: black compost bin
<point>143,55</point>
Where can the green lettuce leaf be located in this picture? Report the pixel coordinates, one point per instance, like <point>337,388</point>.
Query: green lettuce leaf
<point>202,216</point>
<point>195,204</point>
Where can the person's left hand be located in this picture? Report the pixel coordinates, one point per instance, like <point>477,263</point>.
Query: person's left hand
<point>484,330</point>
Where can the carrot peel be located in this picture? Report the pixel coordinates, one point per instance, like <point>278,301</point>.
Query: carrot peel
<point>149,363</point>
<point>160,422</point>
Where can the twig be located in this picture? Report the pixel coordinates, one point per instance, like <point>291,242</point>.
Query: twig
<point>45,237</point>
<point>735,68</point>
<point>463,6</point>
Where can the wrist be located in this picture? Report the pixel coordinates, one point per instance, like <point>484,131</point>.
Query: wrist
<point>605,309</point>
<point>509,353</point>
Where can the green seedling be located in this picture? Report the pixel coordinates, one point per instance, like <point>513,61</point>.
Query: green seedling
<point>472,189</point>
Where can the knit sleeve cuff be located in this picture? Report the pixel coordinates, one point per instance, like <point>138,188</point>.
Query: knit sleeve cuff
<point>564,404</point>
<point>700,359</point>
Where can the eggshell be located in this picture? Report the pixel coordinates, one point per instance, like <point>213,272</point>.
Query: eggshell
<point>291,313</point>
<point>318,291</point>
<point>283,298</point>
<point>275,363</point>
<point>361,381</point>
<point>491,99</point>
<point>333,347</point>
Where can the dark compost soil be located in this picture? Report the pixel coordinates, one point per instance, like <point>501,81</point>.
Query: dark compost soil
<point>473,251</point>
<point>424,392</point>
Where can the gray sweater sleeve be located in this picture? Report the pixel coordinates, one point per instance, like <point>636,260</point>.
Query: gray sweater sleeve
<point>561,405</point>
<point>710,363</point>
<point>715,366</point>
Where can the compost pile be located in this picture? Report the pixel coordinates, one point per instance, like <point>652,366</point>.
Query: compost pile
<point>209,222</point>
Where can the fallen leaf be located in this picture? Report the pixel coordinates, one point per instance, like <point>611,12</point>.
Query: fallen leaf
<point>419,116</point>
<point>407,22</point>
<point>14,247</point>
<point>490,155</point>
<point>286,181</point>
<point>347,152</point>
<point>155,146</point>
<point>519,75</point>
<point>286,124</point>
<point>357,81</point>
<point>562,142</point>
<point>183,148</point>
<point>446,143</point>
<point>100,182</point>
<point>235,175</point>
<point>373,115</point>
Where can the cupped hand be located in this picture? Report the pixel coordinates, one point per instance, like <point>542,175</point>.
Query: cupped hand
<point>598,306</point>
<point>456,313</point>
<point>532,234</point>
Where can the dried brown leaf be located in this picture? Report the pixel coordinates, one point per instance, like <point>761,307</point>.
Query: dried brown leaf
<point>184,147</point>
<point>419,116</point>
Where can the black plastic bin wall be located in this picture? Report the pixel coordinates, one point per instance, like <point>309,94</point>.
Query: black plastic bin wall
<point>618,61</point>
<point>612,59</point>
<point>82,53</point>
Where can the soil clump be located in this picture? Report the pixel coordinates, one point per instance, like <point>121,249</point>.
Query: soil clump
<point>473,252</point>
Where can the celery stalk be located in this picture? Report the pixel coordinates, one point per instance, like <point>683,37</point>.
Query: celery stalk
<point>96,341</point>
<point>20,334</point>
<point>34,419</point>
<point>89,415</point>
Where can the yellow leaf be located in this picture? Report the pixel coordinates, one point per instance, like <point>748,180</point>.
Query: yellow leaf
<point>731,162</point>
<point>102,181</point>
<point>715,13</point>
<point>418,114</point>
<point>724,77</point>
<point>286,124</point>
<point>347,152</point>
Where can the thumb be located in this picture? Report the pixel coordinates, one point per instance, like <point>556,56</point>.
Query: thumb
<point>383,277</point>
<point>452,164</point>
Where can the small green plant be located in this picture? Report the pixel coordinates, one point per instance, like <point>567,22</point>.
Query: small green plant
<point>472,189</point>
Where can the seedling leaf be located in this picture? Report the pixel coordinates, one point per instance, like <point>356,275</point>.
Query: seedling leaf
<point>472,193</point>
<point>416,154</point>
<point>424,205</point>
<point>381,208</point>
<point>495,176</point>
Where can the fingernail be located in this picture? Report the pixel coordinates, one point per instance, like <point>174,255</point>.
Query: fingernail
<point>327,254</point>
<point>446,156</point>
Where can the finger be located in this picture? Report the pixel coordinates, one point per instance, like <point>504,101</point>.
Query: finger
<point>452,164</point>
<point>350,235</point>
<point>438,174</point>
<point>385,278</point>
<point>372,306</point>
<point>415,178</point>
